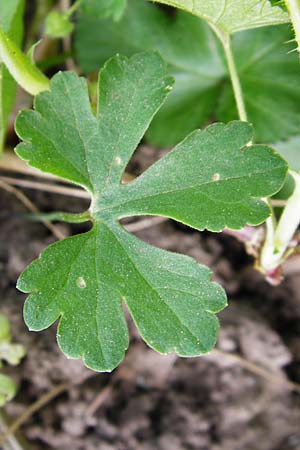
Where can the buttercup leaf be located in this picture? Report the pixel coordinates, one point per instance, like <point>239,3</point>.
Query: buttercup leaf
<point>210,180</point>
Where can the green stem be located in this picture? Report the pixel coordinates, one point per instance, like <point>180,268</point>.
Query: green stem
<point>293,7</point>
<point>233,73</point>
<point>61,216</point>
<point>234,77</point>
<point>73,8</point>
<point>277,241</point>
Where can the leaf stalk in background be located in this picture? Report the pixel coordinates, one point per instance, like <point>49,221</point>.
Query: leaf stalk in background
<point>233,73</point>
<point>278,236</point>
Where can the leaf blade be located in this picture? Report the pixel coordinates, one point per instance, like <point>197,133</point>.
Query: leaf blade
<point>97,140</point>
<point>170,297</point>
<point>232,179</point>
<point>101,339</point>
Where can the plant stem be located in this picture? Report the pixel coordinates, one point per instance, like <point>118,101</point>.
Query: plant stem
<point>289,219</point>
<point>61,216</point>
<point>267,251</point>
<point>233,73</point>
<point>278,240</point>
<point>73,8</point>
<point>293,7</point>
<point>236,85</point>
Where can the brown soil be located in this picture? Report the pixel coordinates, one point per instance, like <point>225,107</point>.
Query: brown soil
<point>154,402</point>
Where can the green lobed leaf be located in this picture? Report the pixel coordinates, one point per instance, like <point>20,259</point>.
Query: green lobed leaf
<point>231,16</point>
<point>11,20</point>
<point>269,74</point>
<point>210,180</point>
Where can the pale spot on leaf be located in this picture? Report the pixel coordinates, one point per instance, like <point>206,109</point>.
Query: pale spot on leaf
<point>81,283</point>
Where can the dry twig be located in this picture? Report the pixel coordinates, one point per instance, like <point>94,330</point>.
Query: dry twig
<point>29,205</point>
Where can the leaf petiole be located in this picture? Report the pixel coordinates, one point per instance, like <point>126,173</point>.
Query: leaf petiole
<point>61,216</point>
<point>233,73</point>
<point>73,8</point>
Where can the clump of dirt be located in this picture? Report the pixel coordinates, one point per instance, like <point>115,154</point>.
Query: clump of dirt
<point>154,402</point>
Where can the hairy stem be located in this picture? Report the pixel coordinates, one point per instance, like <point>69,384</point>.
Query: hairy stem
<point>278,240</point>
<point>289,219</point>
<point>293,7</point>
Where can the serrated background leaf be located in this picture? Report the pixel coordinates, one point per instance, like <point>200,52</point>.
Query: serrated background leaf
<point>270,77</point>
<point>169,296</point>
<point>290,150</point>
<point>186,43</point>
<point>11,20</point>
<point>231,16</point>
